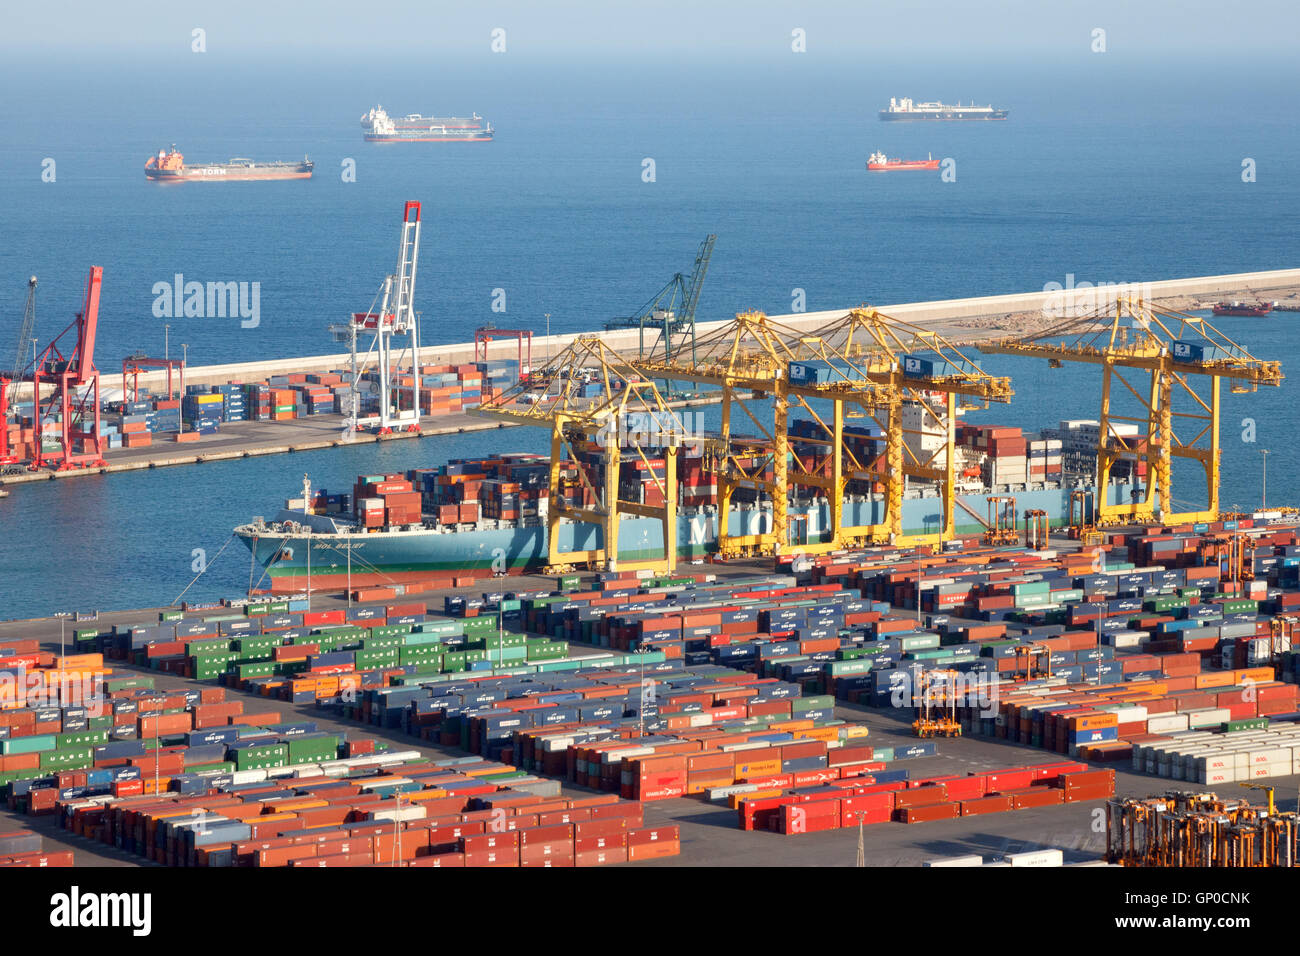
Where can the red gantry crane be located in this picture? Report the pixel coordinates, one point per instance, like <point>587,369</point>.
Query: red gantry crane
<point>16,372</point>
<point>73,401</point>
<point>135,365</point>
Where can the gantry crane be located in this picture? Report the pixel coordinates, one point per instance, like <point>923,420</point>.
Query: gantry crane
<point>1281,637</point>
<point>1083,515</point>
<point>671,312</point>
<point>1232,553</point>
<point>73,399</point>
<point>1037,529</point>
<point>17,370</point>
<point>629,417</point>
<point>1002,521</point>
<point>485,334</point>
<point>134,365</point>
<point>936,707</point>
<point>933,379</point>
<point>1036,657</point>
<point>750,359</point>
<point>1172,347</point>
<point>391,316</point>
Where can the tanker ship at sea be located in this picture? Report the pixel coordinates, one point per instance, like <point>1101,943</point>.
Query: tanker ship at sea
<point>906,110</point>
<point>170,166</point>
<point>489,516</point>
<point>378,127</point>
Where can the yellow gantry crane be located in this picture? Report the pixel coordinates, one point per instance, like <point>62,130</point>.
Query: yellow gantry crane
<point>930,381</point>
<point>629,415</point>
<point>877,367</point>
<point>936,706</point>
<point>1175,350</point>
<point>749,358</point>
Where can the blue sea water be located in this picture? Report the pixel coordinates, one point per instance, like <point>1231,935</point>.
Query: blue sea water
<point>1110,169</point>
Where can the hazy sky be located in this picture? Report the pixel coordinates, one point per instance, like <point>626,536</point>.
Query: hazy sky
<point>1207,31</point>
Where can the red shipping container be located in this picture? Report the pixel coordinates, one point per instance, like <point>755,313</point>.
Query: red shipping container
<point>810,817</point>
<point>1015,779</point>
<point>600,857</point>
<point>921,796</point>
<point>1035,797</point>
<point>939,811</point>
<point>994,804</point>
<point>506,841</point>
<point>558,853</point>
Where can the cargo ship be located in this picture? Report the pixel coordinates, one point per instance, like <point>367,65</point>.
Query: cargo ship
<point>490,516</point>
<point>905,109</point>
<point>1256,309</point>
<point>378,127</point>
<point>169,166</point>
<point>879,162</point>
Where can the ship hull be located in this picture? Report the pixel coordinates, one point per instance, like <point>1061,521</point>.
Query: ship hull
<point>892,167</point>
<point>942,116</point>
<point>1248,311</point>
<point>395,557</point>
<point>225,174</point>
<point>414,137</point>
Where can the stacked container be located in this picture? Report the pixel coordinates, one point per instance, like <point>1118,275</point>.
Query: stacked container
<point>202,409</point>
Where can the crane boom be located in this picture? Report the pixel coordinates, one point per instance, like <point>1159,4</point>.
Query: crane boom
<point>671,311</point>
<point>83,364</point>
<point>25,330</point>
<point>697,279</point>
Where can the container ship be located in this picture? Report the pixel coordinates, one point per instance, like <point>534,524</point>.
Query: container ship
<point>1256,309</point>
<point>169,166</point>
<point>490,515</point>
<point>905,109</point>
<point>879,162</point>
<point>378,127</point>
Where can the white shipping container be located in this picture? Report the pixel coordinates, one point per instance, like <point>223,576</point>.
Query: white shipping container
<point>1130,715</point>
<point>719,794</point>
<point>1123,639</point>
<point>1208,717</point>
<point>1166,723</point>
<point>394,815</point>
<point>956,861</point>
<point>1036,858</point>
<point>1214,777</point>
<point>1271,755</point>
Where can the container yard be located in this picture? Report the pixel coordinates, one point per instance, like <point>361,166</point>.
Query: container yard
<point>779,701</point>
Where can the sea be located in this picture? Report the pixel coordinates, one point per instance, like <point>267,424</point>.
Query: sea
<point>603,178</point>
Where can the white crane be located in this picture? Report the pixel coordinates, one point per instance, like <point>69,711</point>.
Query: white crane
<point>395,318</point>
